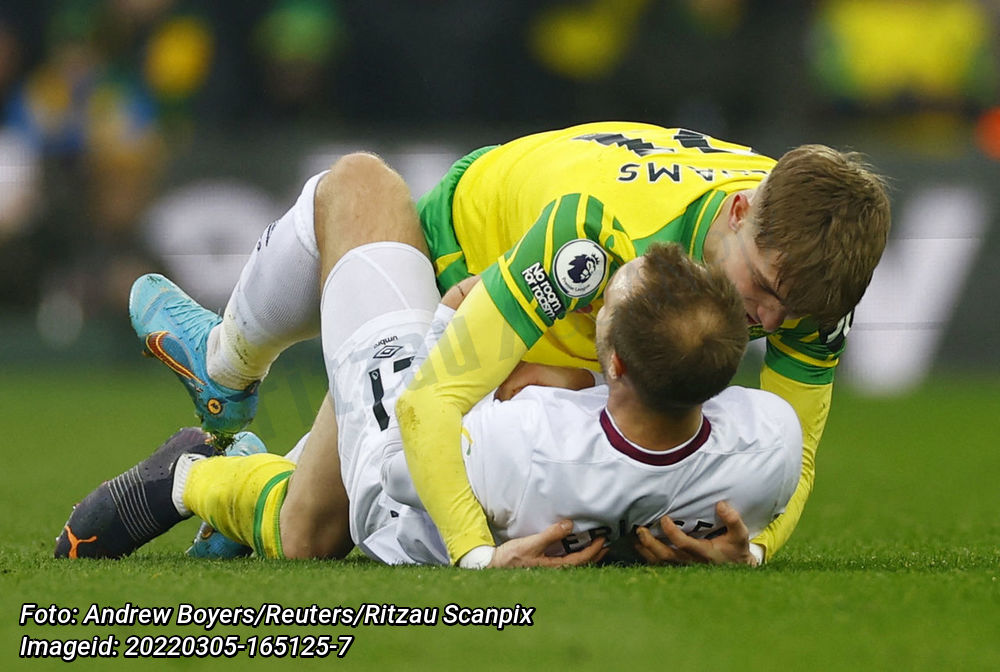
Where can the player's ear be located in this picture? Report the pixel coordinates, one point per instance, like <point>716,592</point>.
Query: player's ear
<point>739,211</point>
<point>616,367</point>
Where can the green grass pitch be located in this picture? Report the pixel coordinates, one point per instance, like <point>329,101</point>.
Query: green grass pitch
<point>895,565</point>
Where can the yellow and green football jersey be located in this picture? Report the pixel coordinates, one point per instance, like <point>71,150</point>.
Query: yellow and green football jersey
<point>532,204</point>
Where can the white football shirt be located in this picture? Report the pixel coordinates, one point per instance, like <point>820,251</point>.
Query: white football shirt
<point>550,454</point>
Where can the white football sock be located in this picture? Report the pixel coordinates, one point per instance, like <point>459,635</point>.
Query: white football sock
<point>275,304</point>
<point>184,463</point>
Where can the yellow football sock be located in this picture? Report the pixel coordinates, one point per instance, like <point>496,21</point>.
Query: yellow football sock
<point>241,497</point>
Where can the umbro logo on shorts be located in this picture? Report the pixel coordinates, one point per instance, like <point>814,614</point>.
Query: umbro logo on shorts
<point>387,351</point>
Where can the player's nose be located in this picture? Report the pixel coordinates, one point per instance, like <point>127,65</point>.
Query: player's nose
<point>771,317</point>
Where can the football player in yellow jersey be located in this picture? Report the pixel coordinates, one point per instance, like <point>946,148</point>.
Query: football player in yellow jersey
<point>800,245</point>
<point>546,220</point>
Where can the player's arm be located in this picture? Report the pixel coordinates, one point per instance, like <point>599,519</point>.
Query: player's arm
<point>458,372</point>
<point>519,297</point>
<point>799,366</point>
<point>812,405</point>
<point>546,375</point>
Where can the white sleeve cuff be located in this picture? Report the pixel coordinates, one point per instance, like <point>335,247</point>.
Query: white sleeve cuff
<point>477,558</point>
<point>757,551</point>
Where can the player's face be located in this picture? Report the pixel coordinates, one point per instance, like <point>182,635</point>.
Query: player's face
<point>754,272</point>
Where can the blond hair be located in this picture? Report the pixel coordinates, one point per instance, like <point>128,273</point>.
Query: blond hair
<point>827,214</point>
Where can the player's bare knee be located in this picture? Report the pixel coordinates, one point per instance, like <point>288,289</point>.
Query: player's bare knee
<point>362,200</point>
<point>359,175</point>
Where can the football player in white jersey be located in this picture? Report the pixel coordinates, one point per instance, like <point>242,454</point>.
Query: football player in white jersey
<point>659,440</point>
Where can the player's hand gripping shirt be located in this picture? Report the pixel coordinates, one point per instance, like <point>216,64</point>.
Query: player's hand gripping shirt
<point>546,219</point>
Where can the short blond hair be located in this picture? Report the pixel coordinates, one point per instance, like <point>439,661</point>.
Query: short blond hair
<point>827,214</point>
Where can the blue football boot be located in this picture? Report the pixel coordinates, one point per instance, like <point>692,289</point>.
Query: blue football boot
<point>174,329</point>
<point>209,543</point>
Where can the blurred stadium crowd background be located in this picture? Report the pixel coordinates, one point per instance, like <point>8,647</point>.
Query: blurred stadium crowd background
<point>142,135</point>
